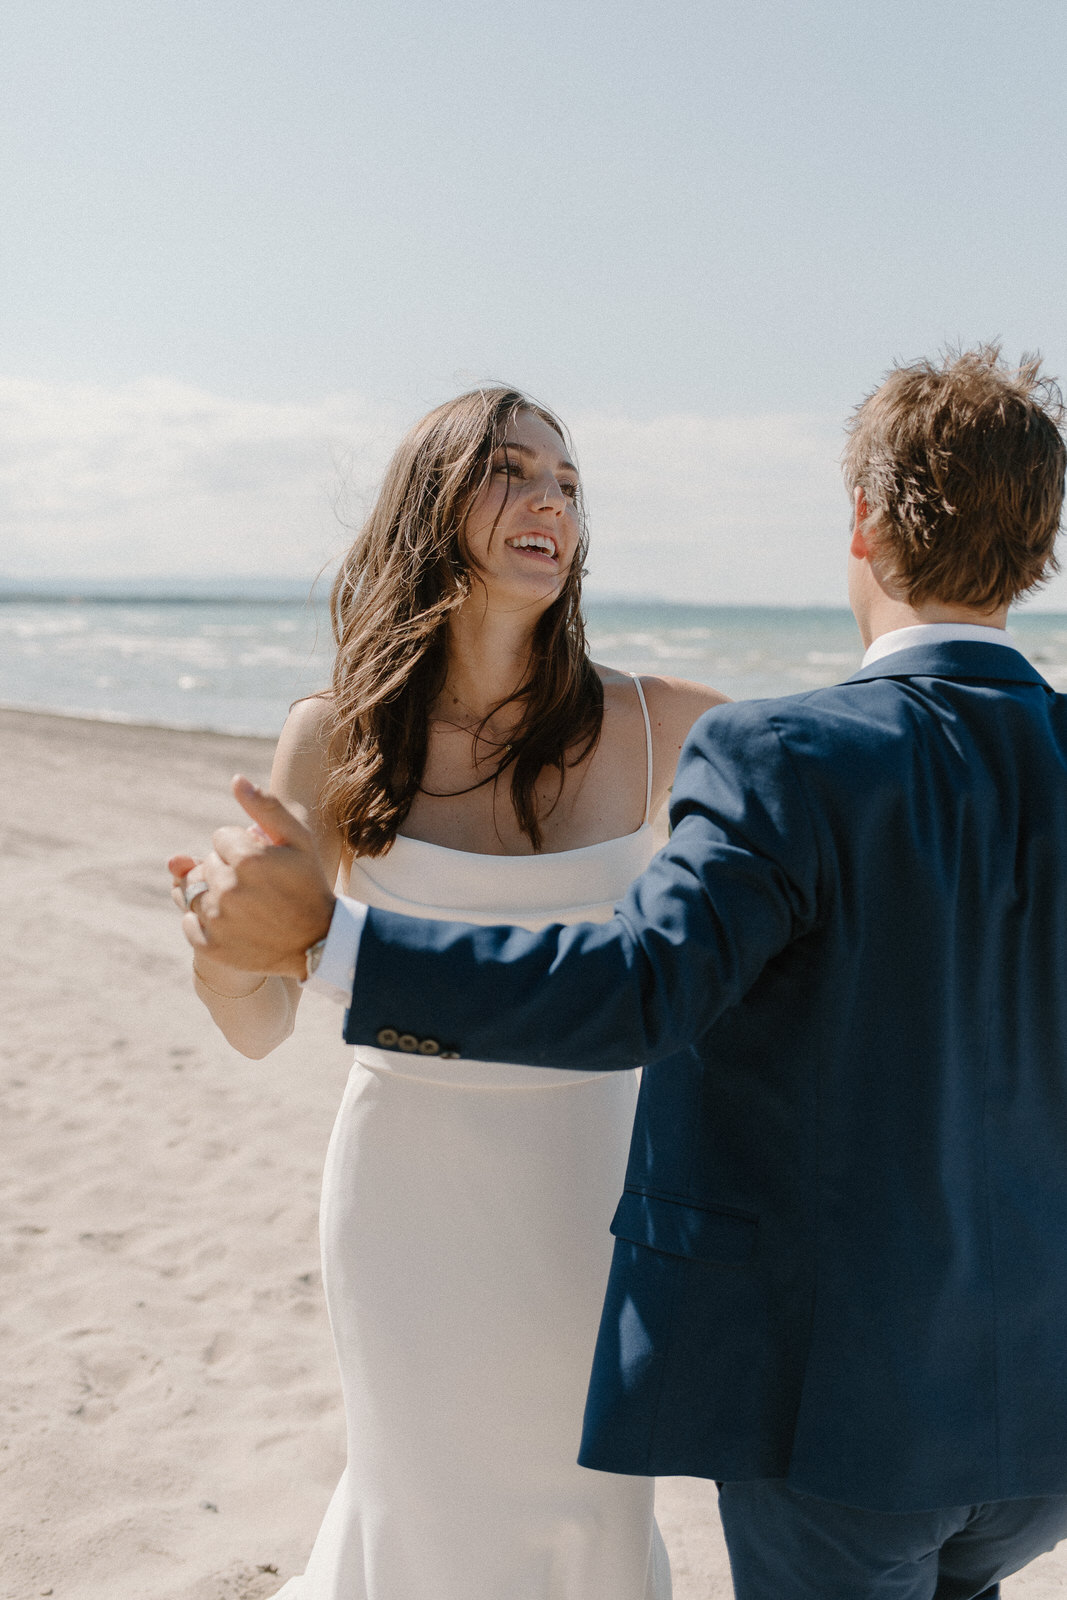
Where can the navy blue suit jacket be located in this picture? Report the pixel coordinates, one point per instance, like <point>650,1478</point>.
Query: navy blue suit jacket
<point>841,1254</point>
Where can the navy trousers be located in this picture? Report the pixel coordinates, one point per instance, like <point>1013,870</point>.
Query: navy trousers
<point>789,1546</point>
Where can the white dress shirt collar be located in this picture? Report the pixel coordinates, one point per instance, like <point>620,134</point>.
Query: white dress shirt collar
<point>934,633</point>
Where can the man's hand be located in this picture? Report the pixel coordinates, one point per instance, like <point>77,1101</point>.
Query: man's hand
<point>267,899</point>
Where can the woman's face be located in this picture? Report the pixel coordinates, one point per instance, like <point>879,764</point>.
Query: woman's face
<point>522,527</point>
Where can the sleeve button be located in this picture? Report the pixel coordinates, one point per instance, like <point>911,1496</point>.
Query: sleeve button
<point>387,1038</point>
<point>408,1043</point>
<point>449,1055</point>
<point>429,1047</point>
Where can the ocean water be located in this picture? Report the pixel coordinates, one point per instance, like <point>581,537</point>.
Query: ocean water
<point>236,666</point>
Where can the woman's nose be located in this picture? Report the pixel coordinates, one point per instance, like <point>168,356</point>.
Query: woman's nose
<point>548,495</point>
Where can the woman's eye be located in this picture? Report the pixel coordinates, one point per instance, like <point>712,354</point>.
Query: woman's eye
<point>570,490</point>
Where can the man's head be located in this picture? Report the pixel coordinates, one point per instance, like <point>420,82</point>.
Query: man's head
<point>958,473</point>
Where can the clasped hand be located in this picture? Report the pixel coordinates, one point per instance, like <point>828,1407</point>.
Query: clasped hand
<point>266,901</point>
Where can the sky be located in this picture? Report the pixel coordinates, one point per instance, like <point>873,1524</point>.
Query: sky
<point>244,247</point>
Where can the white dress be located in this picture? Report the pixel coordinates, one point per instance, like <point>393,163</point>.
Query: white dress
<point>465,1247</point>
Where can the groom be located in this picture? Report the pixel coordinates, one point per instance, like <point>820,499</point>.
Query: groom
<point>840,1274</point>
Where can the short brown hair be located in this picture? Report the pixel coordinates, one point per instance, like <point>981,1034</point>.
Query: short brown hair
<point>962,465</point>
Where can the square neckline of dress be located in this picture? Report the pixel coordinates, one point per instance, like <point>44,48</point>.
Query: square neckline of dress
<point>510,855</point>
<point>539,855</point>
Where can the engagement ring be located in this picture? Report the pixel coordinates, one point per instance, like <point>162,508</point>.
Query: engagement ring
<point>191,890</point>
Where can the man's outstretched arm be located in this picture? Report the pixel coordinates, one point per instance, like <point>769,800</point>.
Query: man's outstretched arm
<point>736,882</point>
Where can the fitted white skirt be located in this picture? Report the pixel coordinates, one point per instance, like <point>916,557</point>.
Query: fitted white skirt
<point>465,1217</point>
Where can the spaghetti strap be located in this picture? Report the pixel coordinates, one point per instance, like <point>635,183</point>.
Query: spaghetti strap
<point>648,748</point>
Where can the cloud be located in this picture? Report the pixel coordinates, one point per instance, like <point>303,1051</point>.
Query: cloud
<point>161,479</point>
<point>737,510</point>
<point>158,478</point>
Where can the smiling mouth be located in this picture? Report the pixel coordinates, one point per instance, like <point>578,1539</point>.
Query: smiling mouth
<point>540,543</point>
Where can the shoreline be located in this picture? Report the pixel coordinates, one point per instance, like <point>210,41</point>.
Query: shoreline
<point>238,676</point>
<point>118,719</point>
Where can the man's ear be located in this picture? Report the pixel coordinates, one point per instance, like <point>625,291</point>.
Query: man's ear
<point>862,546</point>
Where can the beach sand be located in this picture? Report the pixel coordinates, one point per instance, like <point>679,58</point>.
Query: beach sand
<point>172,1426</point>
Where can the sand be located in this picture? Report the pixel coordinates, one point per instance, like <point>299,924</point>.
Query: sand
<point>172,1427</point>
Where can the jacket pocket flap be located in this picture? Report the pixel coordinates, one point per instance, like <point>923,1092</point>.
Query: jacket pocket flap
<point>679,1229</point>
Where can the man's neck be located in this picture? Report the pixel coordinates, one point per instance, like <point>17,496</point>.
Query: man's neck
<point>887,615</point>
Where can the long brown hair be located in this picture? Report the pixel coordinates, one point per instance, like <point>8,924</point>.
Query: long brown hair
<point>406,572</point>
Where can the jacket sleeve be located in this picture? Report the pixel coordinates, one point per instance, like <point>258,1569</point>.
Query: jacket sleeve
<point>736,882</point>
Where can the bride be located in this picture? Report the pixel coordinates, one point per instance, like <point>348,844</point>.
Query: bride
<point>471,762</point>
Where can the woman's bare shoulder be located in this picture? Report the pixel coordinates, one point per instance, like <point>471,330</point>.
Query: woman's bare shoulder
<point>302,757</point>
<point>673,703</point>
<point>301,768</point>
<point>612,678</point>
<point>678,700</point>
<point>310,718</point>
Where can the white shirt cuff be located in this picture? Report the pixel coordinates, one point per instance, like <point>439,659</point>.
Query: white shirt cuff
<point>336,972</point>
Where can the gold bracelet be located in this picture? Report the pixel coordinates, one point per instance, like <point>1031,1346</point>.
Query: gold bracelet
<point>222,996</point>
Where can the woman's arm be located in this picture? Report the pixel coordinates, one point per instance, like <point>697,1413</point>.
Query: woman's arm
<point>674,704</point>
<point>254,1011</point>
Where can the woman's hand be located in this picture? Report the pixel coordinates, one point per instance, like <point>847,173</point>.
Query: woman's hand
<point>265,898</point>
<point>221,980</point>
<point>183,871</point>
<point>179,868</point>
